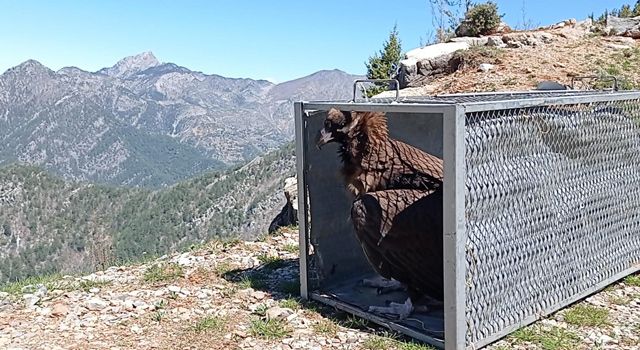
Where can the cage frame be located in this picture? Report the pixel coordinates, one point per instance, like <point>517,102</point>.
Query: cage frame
<point>454,235</point>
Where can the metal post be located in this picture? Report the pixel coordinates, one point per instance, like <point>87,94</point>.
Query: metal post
<point>454,229</point>
<point>300,124</point>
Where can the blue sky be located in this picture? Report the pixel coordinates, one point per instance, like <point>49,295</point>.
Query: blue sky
<point>275,40</point>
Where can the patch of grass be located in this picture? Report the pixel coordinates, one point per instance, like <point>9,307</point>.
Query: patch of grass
<point>50,281</point>
<point>587,315</point>
<point>86,285</point>
<point>554,338</point>
<point>526,334</point>
<point>271,262</point>
<point>326,327</point>
<point>475,56</point>
<point>158,316</point>
<point>290,287</point>
<point>223,268</point>
<point>161,304</point>
<point>252,280</point>
<point>162,273</point>
<point>290,303</point>
<point>209,324</point>
<point>269,329</point>
<point>355,322</point>
<point>377,342</point>
<point>633,280</point>
<point>411,345</point>
<point>618,300</point>
<point>261,310</point>
<point>291,248</point>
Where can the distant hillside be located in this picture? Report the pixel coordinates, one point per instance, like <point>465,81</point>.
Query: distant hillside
<point>49,225</point>
<point>147,123</point>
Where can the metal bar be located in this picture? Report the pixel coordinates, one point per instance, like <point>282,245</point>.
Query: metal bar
<point>355,85</point>
<point>562,304</point>
<point>548,101</point>
<point>379,107</point>
<point>377,319</point>
<point>300,125</point>
<point>596,77</point>
<point>454,229</point>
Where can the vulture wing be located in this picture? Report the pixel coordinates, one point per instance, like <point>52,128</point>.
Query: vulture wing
<point>401,234</point>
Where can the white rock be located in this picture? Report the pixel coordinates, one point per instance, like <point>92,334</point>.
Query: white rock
<point>278,313</point>
<point>136,329</point>
<point>485,67</point>
<point>471,40</point>
<point>30,300</point>
<point>174,289</point>
<point>96,304</point>
<point>185,261</point>
<point>432,51</point>
<point>94,290</point>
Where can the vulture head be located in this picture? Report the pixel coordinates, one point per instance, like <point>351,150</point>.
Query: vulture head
<point>336,127</point>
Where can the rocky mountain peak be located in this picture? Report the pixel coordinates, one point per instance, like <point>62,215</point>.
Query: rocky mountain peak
<point>132,65</point>
<point>30,67</point>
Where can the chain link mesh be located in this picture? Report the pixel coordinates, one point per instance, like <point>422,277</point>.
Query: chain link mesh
<point>552,207</point>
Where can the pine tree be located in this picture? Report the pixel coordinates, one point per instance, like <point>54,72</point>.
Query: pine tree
<point>636,9</point>
<point>382,65</point>
<point>625,11</point>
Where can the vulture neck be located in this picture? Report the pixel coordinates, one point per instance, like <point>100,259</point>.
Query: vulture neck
<point>370,132</point>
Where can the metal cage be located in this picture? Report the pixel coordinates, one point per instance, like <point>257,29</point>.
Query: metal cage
<point>541,207</point>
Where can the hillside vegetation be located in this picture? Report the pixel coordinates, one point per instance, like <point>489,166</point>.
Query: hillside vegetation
<point>48,225</point>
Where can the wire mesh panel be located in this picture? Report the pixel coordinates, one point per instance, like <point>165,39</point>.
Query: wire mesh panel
<point>552,208</point>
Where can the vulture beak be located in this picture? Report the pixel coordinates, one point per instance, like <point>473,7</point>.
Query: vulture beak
<point>324,137</point>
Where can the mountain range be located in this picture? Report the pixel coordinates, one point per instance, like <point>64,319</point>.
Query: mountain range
<point>142,122</point>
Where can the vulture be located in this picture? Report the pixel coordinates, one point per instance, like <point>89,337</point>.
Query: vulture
<point>397,207</point>
<point>373,161</point>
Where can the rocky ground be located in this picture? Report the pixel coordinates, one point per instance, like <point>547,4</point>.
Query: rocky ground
<point>242,295</point>
<point>521,60</point>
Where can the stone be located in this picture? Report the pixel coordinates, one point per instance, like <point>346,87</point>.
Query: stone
<point>174,289</point>
<point>427,61</point>
<point>94,290</point>
<point>629,27</point>
<point>258,295</point>
<point>278,313</point>
<point>472,41</point>
<point>136,329</point>
<point>30,300</point>
<point>485,67</point>
<point>59,309</point>
<point>288,215</point>
<point>495,41</point>
<point>96,304</point>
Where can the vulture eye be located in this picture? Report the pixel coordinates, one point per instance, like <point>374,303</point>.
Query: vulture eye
<point>327,124</point>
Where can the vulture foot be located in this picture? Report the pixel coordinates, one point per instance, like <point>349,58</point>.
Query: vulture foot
<point>400,311</point>
<point>384,285</point>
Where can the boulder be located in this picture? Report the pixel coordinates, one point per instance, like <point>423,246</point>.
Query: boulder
<point>288,216</point>
<point>427,61</point>
<point>471,40</point>
<point>521,39</point>
<point>495,41</point>
<point>629,27</point>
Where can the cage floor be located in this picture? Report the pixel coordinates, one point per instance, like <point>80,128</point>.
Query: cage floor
<point>352,297</point>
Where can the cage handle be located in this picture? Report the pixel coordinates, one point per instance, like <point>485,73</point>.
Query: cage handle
<point>356,82</point>
<point>596,77</point>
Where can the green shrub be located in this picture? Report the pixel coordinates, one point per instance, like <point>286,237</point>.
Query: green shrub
<point>482,19</point>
